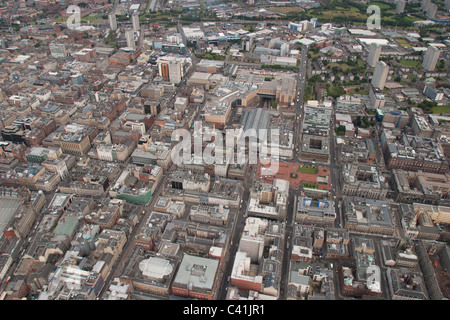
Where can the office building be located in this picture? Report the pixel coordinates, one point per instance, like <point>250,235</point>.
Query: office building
<point>181,104</point>
<point>85,54</point>
<point>380,75</point>
<point>317,212</point>
<point>427,188</point>
<point>196,278</point>
<point>171,68</point>
<point>377,98</point>
<point>214,215</point>
<point>174,48</point>
<point>337,243</point>
<point>368,216</point>
<point>151,273</point>
<point>163,68</point>
<point>253,238</point>
<point>374,54</point>
<point>406,285</point>
<point>175,71</point>
<point>414,153</point>
<point>364,180</point>
<point>58,50</point>
<point>439,214</point>
<point>430,58</point>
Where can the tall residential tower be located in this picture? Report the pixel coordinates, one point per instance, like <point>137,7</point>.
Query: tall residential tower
<point>112,21</point>
<point>135,22</point>
<point>430,58</point>
<point>380,75</point>
<point>374,54</point>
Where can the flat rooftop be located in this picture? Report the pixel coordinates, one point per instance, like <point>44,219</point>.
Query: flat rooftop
<point>197,271</point>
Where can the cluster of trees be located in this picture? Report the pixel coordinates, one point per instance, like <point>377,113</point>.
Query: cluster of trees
<point>441,65</point>
<point>274,104</point>
<point>340,131</point>
<point>310,85</point>
<point>335,91</point>
<point>210,56</point>
<point>111,40</point>
<point>277,66</point>
<point>363,122</point>
<point>427,105</point>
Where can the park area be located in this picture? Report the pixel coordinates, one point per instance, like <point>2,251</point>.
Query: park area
<point>297,175</point>
<point>410,63</point>
<point>441,110</point>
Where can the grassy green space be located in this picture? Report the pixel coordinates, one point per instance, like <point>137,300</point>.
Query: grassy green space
<point>305,169</point>
<point>309,185</point>
<point>210,56</point>
<point>441,109</point>
<point>286,10</point>
<point>345,66</point>
<point>239,3</point>
<point>403,43</point>
<point>111,40</point>
<point>84,19</point>
<point>335,14</point>
<point>314,55</point>
<point>309,95</point>
<point>411,19</point>
<point>156,16</point>
<point>277,66</point>
<point>60,19</point>
<point>335,91</point>
<point>383,6</point>
<point>92,20</point>
<point>410,63</point>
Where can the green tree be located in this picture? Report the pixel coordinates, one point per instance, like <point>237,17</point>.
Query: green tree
<point>274,104</point>
<point>427,105</point>
<point>340,131</point>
